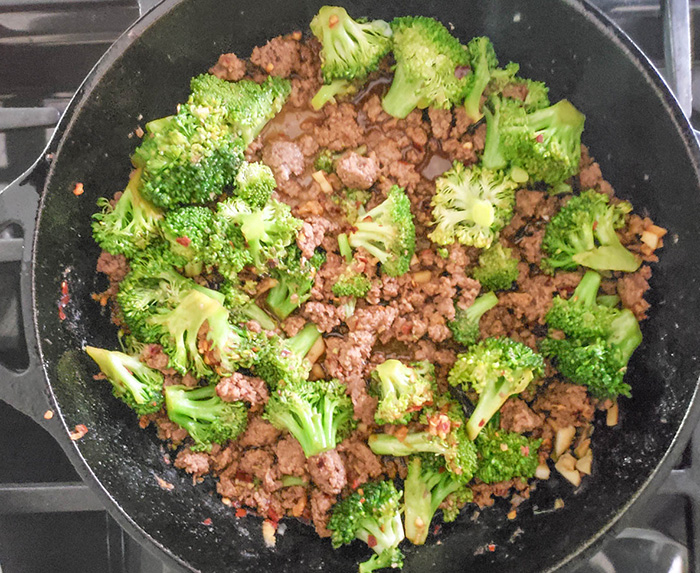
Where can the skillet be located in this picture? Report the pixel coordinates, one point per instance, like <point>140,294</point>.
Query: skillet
<point>634,128</point>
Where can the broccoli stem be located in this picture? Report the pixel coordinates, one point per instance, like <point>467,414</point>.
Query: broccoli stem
<point>302,341</point>
<point>328,92</point>
<point>199,404</point>
<point>344,247</point>
<point>481,306</point>
<point>279,300</point>
<point>609,257</point>
<point>493,156</point>
<point>254,312</point>
<point>626,334</point>
<point>403,95</point>
<point>587,290</point>
<point>389,445</point>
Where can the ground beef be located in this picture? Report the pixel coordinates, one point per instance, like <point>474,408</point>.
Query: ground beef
<point>260,463</point>
<point>290,457</point>
<point>279,57</point>
<point>284,158</point>
<point>516,416</point>
<point>356,171</point>
<point>325,316</point>
<point>228,67</point>
<point>327,472</point>
<point>631,288</point>
<point>339,130</point>
<point>320,504</point>
<point>565,405</point>
<point>246,388</point>
<point>195,463</point>
<point>361,465</point>
<point>484,493</point>
<point>259,433</point>
<point>311,235</point>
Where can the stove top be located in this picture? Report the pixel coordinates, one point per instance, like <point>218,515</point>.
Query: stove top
<point>50,520</point>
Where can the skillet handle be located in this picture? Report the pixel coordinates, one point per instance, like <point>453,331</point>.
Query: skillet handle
<point>22,382</point>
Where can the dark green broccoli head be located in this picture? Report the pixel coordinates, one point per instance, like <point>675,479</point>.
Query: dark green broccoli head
<point>325,161</point>
<point>387,233</point>
<point>128,226</point>
<point>350,49</point>
<point>295,276</point>
<point>134,383</point>
<point>428,59</point>
<point>505,455</point>
<point>497,268</point>
<point>471,205</point>
<point>583,233</point>
<point>255,183</point>
<point>465,326</point>
<point>187,231</point>
<point>206,417</point>
<point>402,391</point>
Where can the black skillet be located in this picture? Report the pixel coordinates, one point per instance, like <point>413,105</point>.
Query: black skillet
<point>634,127</point>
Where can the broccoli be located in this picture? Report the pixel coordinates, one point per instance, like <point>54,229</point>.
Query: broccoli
<point>128,226</point>
<point>178,333</point>
<point>505,455</point>
<point>344,247</point>
<point>387,232</point>
<point>353,284</point>
<point>537,93</point>
<point>465,326</point>
<point>206,417</point>
<point>428,59</point>
<point>242,307</point>
<point>352,202</point>
<point>483,61</point>
<point>255,183</point>
<point>328,93</point>
<point>402,391</point>
<point>319,413</point>
<point>599,340</point>
<point>325,161</point>
<point>546,143</point>
<point>246,106</point>
<point>187,231</point>
<point>495,368</point>
<point>427,485</point>
<point>264,232</point>
<point>282,361</point>
<point>497,269</point>
<point>350,49</point>
<point>134,383</point>
<point>295,277</point>
<point>583,233</point>
<point>371,514</point>
<point>471,205</point>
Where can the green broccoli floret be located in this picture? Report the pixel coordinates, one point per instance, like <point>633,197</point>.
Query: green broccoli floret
<point>497,269</point>
<point>134,383</point>
<point>295,277</point>
<point>546,143</point>
<point>427,485</point>
<point>352,202</point>
<point>247,106</point>
<point>265,232</point>
<point>402,392</point>
<point>328,92</point>
<point>255,183</point>
<point>371,514</point>
<point>505,455</point>
<point>242,307</point>
<point>325,161</point>
<point>350,49</point>
<point>352,284</point>
<point>471,205</point>
<point>428,59</point>
<point>318,413</point>
<point>465,326</point>
<point>128,226</point>
<point>495,369</point>
<point>583,233</point>
<point>387,232</point>
<point>206,417</point>
<point>282,361</point>
<point>187,231</point>
<point>483,61</point>
<point>537,93</point>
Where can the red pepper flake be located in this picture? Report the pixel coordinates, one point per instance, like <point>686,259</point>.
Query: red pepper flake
<point>436,529</point>
<point>79,431</point>
<point>595,225</point>
<point>240,512</point>
<point>164,484</point>
<point>78,189</point>
<point>333,21</point>
<point>525,450</point>
<point>539,138</point>
<point>491,547</point>
<point>64,300</point>
<point>48,414</point>
<point>371,540</point>
<point>273,517</point>
<point>461,71</point>
<point>184,241</point>
<point>207,522</point>
<point>481,423</point>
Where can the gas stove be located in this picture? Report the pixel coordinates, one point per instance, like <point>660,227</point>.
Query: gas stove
<point>49,519</point>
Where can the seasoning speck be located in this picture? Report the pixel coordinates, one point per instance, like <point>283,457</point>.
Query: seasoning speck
<point>79,431</point>
<point>48,414</point>
<point>78,189</point>
<point>207,522</point>
<point>164,484</point>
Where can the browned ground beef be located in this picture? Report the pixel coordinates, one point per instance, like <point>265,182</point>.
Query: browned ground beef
<point>404,317</point>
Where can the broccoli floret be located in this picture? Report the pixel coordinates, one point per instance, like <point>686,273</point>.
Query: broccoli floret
<point>325,161</point>
<point>483,61</point>
<point>497,269</point>
<point>427,485</point>
<point>427,59</point>
<point>506,84</point>
<point>583,233</point>
<point>128,226</point>
<point>402,392</point>
<point>371,514</point>
<point>537,95</point>
<point>206,417</point>
<point>282,361</point>
<point>546,143</point>
<point>187,158</point>
<point>353,284</point>
<point>264,232</point>
<point>242,307</point>
<point>465,326</point>
<point>179,328</point>
<point>246,105</point>
<point>187,231</point>
<point>295,277</point>
<point>495,369</point>
<point>328,93</point>
<point>319,413</point>
<point>505,455</point>
<point>255,183</point>
<point>471,205</point>
<point>350,49</point>
<point>352,202</point>
<point>134,383</point>
<point>387,232</point>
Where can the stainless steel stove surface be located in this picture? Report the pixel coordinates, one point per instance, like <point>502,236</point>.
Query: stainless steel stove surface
<point>49,520</point>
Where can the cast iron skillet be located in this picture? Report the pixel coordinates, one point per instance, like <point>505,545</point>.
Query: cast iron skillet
<point>634,128</point>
